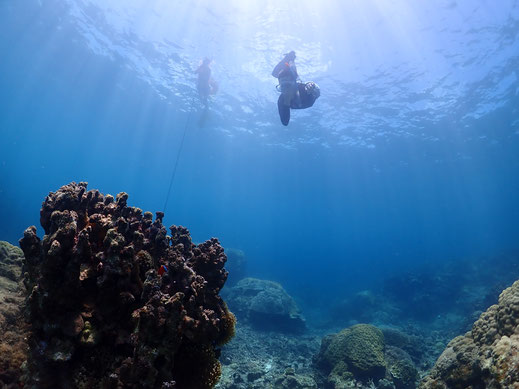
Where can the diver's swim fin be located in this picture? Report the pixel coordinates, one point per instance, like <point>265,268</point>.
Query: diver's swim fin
<point>284,111</point>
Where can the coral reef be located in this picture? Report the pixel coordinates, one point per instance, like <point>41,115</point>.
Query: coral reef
<point>265,304</point>
<point>488,355</point>
<point>13,346</point>
<point>359,354</point>
<point>101,312</point>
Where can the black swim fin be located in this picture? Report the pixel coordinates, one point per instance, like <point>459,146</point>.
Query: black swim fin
<point>284,111</point>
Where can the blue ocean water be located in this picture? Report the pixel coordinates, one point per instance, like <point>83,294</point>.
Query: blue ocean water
<point>410,155</point>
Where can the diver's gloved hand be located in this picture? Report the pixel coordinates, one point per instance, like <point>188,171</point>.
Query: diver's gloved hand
<point>313,89</point>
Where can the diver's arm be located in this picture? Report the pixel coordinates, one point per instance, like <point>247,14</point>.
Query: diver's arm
<point>279,67</point>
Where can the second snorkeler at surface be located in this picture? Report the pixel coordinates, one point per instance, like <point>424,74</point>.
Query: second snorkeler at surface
<point>206,85</point>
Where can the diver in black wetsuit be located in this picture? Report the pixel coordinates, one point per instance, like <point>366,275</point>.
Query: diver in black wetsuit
<point>294,94</point>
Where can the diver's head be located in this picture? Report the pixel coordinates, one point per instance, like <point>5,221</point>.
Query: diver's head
<point>206,61</point>
<point>290,56</point>
<point>313,89</point>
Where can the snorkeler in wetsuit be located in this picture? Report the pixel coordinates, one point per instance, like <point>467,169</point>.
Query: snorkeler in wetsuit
<point>206,85</point>
<point>294,94</point>
<point>286,73</point>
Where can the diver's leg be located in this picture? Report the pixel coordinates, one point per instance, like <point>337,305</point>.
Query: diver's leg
<point>287,97</point>
<point>290,94</point>
<point>287,92</point>
<point>284,111</point>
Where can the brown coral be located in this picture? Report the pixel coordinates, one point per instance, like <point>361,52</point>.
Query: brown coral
<point>100,313</point>
<point>487,356</point>
<point>228,328</point>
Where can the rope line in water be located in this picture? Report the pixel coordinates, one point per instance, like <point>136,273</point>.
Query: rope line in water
<point>179,151</point>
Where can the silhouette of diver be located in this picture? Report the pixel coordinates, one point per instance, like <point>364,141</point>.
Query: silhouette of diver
<point>206,85</point>
<point>294,94</point>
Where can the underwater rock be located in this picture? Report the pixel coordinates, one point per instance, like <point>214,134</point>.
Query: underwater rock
<point>266,305</point>
<point>359,354</point>
<point>488,355</point>
<point>291,380</point>
<point>101,313</point>
<point>236,266</point>
<point>411,344</point>
<point>400,368</point>
<point>13,332</point>
<point>362,306</point>
<point>11,258</point>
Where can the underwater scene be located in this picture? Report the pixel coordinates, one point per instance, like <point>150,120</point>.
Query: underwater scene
<point>285,194</point>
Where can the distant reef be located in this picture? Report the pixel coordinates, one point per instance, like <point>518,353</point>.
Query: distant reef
<point>115,302</point>
<point>488,355</point>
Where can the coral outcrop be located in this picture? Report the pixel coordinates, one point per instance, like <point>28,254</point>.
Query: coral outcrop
<point>359,354</point>
<point>13,346</point>
<point>114,302</point>
<point>485,357</point>
<point>265,305</point>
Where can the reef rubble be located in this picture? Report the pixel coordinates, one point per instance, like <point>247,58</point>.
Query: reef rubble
<point>259,359</point>
<point>115,302</point>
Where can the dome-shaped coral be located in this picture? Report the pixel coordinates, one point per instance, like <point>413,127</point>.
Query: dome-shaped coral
<point>361,348</point>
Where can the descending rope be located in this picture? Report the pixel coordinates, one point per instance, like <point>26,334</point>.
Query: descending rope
<point>179,151</point>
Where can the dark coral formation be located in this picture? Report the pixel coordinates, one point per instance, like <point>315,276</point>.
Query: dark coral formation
<point>488,355</point>
<point>13,346</point>
<point>360,354</point>
<point>101,312</point>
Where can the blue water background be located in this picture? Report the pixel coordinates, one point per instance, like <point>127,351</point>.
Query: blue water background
<point>410,156</point>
